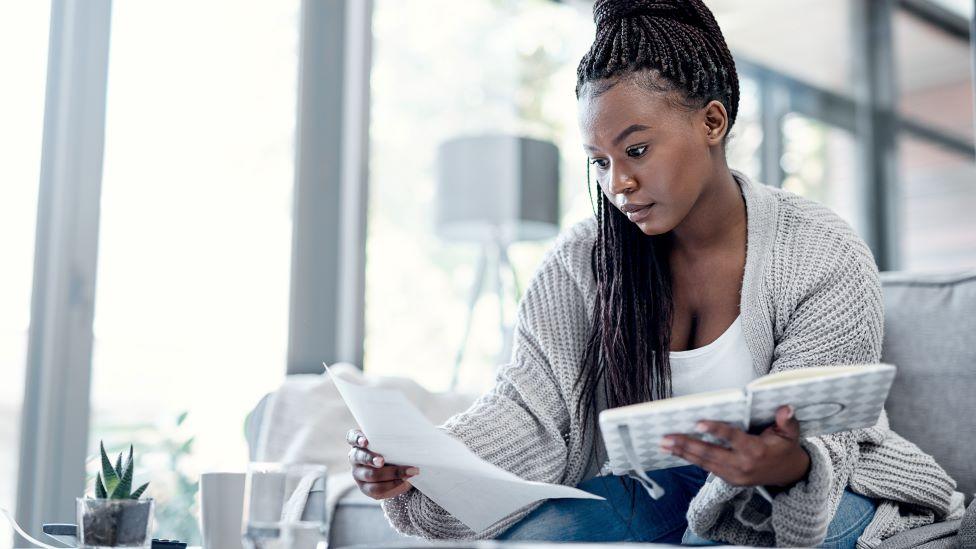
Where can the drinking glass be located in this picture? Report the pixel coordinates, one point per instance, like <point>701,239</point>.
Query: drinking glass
<point>284,506</point>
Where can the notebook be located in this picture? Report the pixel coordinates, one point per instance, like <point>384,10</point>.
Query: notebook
<point>826,399</point>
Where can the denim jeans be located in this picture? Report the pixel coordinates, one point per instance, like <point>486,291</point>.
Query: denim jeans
<point>630,514</point>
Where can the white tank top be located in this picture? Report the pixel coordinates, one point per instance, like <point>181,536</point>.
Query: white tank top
<point>722,364</point>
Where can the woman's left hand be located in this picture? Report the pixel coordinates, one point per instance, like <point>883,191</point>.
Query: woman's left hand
<point>771,458</point>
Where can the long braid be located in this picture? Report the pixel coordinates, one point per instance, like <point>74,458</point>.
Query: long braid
<point>673,47</point>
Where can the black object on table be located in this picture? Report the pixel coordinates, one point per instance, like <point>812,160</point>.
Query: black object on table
<point>68,535</point>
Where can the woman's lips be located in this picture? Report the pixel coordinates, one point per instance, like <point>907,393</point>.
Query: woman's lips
<point>640,215</point>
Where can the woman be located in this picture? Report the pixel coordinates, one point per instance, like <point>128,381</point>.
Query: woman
<point>722,278</point>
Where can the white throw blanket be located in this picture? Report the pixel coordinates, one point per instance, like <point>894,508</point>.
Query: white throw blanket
<point>306,421</point>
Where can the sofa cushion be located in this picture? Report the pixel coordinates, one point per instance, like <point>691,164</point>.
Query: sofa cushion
<point>930,335</point>
<point>358,519</point>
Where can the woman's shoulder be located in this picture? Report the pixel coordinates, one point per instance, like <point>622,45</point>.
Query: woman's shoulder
<point>576,240</point>
<point>813,237</point>
<point>814,250</point>
<point>572,252</point>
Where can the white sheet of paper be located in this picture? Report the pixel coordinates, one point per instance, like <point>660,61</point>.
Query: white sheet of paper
<point>476,492</point>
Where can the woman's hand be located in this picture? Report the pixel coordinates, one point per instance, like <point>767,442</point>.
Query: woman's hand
<point>772,458</point>
<point>376,479</point>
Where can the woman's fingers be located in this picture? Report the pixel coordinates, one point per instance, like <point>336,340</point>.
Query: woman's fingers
<point>385,482</point>
<point>383,474</point>
<point>358,456</point>
<point>355,437</point>
<point>385,490</point>
<point>375,478</point>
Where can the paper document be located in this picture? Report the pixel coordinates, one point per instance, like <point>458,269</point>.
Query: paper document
<point>476,492</point>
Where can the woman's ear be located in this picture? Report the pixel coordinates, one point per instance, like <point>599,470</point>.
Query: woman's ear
<point>716,122</point>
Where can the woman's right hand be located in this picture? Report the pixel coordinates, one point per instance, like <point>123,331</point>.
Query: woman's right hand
<point>375,478</point>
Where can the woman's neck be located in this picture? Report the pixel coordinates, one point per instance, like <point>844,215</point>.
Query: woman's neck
<point>717,220</point>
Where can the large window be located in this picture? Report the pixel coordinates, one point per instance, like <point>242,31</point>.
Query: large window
<point>506,66</point>
<point>23,62</point>
<point>936,188</point>
<point>191,306</point>
<point>812,61</point>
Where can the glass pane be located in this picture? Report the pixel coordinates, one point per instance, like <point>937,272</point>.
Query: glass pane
<point>23,62</point>
<point>745,140</point>
<point>937,201</point>
<point>934,70</point>
<point>959,7</point>
<point>501,65</point>
<point>816,48</point>
<point>191,308</point>
<point>820,162</point>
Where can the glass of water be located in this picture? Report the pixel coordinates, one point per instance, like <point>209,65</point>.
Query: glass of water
<point>284,506</point>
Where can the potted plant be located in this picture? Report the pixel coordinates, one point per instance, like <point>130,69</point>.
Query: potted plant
<point>115,517</point>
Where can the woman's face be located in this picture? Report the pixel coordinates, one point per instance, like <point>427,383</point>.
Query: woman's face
<point>648,153</point>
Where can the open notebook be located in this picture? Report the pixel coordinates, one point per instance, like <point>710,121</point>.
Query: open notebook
<point>827,399</point>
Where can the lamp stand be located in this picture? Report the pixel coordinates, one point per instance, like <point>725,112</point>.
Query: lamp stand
<point>494,250</point>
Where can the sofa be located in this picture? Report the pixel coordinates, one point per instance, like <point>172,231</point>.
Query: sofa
<point>930,334</point>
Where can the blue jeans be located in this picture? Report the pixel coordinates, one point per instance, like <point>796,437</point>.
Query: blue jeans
<point>630,514</point>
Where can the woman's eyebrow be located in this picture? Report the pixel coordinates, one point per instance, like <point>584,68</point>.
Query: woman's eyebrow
<point>623,135</point>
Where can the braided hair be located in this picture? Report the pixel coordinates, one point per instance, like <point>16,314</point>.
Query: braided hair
<point>673,48</point>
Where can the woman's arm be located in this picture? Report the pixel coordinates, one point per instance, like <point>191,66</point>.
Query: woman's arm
<point>518,425</point>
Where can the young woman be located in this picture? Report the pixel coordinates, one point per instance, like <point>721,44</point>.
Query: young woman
<point>690,278</point>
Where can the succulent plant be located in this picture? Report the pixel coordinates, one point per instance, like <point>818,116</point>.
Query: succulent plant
<point>116,482</point>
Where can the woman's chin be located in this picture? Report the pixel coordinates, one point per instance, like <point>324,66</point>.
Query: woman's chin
<point>650,228</point>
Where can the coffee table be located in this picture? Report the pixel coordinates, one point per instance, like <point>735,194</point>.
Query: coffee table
<point>493,544</point>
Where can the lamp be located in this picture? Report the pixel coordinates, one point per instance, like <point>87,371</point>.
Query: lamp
<point>495,189</point>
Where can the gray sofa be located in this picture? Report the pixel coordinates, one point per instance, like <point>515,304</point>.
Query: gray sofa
<point>930,334</point>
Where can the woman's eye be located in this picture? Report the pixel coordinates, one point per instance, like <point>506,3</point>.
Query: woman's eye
<point>598,162</point>
<point>637,150</point>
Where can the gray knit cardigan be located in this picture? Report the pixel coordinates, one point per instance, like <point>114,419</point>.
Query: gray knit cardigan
<point>810,296</point>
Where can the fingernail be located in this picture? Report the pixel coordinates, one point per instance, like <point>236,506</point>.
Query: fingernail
<point>701,427</point>
<point>361,441</point>
<point>667,442</point>
<point>377,461</point>
<point>790,410</point>
<point>411,471</point>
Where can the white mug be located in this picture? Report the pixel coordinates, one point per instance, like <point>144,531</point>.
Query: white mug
<point>221,507</point>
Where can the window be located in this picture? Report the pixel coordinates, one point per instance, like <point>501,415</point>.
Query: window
<point>960,7</point>
<point>936,192</point>
<point>23,61</point>
<point>935,84</point>
<point>809,40</point>
<point>507,66</point>
<point>820,163</point>
<point>746,137</point>
<point>191,309</point>
<point>937,199</point>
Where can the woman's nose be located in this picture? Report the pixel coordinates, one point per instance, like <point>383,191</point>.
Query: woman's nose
<point>622,183</point>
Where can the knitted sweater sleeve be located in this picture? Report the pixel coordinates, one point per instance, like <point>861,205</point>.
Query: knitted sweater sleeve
<point>519,424</point>
<point>837,319</point>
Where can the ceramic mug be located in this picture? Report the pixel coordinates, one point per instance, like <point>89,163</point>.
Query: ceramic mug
<point>221,508</point>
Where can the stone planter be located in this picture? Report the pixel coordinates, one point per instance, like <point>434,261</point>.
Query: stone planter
<point>114,522</point>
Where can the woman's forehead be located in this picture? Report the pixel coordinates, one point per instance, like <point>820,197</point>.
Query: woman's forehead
<point>620,106</point>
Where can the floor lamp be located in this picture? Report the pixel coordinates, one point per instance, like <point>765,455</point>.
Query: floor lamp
<point>495,190</point>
